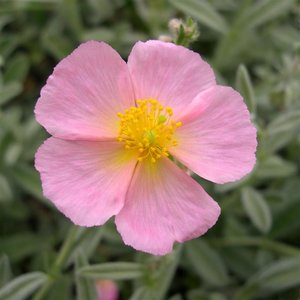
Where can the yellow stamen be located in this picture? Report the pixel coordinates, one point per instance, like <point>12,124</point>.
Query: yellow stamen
<point>148,130</point>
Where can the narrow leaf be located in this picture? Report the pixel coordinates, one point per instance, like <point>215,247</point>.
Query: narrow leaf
<point>203,12</point>
<point>23,286</point>
<point>286,122</point>
<point>5,270</point>
<point>17,68</point>
<point>29,180</point>
<point>6,191</point>
<point>86,288</point>
<point>274,167</point>
<point>9,91</point>
<point>207,263</point>
<point>87,241</point>
<point>166,273</point>
<point>266,10</point>
<point>244,86</point>
<point>257,209</point>
<point>142,293</point>
<point>70,12</point>
<point>114,271</point>
<point>278,276</point>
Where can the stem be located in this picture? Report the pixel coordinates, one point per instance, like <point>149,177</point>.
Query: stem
<point>64,252</point>
<point>58,264</point>
<point>257,241</point>
<point>42,292</point>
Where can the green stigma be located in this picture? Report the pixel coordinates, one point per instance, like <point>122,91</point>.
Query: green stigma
<point>151,136</point>
<point>162,119</point>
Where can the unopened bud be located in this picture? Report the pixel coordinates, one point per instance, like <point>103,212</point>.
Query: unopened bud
<point>165,38</point>
<point>174,25</point>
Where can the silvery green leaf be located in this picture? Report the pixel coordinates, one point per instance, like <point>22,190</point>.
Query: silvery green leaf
<point>114,271</point>
<point>245,87</point>
<point>257,209</point>
<point>23,286</point>
<point>17,68</point>
<point>285,123</point>
<point>5,270</point>
<point>87,240</point>
<point>5,188</point>
<point>274,167</point>
<point>203,12</point>
<point>86,287</point>
<point>265,10</point>
<point>9,91</point>
<point>29,180</point>
<point>278,276</point>
<point>142,293</point>
<point>207,263</point>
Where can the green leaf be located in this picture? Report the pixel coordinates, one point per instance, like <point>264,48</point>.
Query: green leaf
<point>114,271</point>
<point>17,68</point>
<point>158,276</point>
<point>55,42</point>
<point>203,12</point>
<point>99,34</point>
<point>29,180</point>
<point>10,91</point>
<point>5,270</point>
<point>70,11</point>
<point>23,244</point>
<point>165,273</point>
<point>272,142</point>
<point>257,209</point>
<point>22,286</point>
<point>286,122</point>
<point>239,260</point>
<point>278,276</point>
<point>142,293</point>
<point>244,86</point>
<point>282,130</point>
<point>61,289</point>
<point>207,263</point>
<point>274,167</point>
<point>266,10</point>
<point>6,191</point>
<point>86,288</point>
<point>286,213</point>
<point>87,241</point>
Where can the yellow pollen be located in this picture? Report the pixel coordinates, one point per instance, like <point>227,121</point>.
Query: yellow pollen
<point>148,130</point>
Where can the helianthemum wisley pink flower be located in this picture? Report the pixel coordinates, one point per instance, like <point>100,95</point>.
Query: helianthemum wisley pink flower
<point>116,128</point>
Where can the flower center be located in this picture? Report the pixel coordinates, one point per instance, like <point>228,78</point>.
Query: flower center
<point>148,129</point>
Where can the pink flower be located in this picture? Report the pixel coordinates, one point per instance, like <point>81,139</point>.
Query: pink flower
<point>115,126</point>
<point>107,290</point>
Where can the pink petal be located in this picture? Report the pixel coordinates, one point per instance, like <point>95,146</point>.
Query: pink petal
<point>217,140</point>
<point>87,181</point>
<point>84,94</point>
<point>171,74</point>
<point>164,205</point>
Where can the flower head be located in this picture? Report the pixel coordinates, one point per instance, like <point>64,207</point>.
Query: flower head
<point>117,127</point>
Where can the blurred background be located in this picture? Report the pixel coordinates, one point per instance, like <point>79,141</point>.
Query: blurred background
<point>254,250</point>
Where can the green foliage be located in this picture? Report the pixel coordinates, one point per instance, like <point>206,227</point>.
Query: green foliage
<point>114,271</point>
<point>253,252</point>
<point>203,12</point>
<point>22,286</point>
<point>86,288</point>
<point>244,86</point>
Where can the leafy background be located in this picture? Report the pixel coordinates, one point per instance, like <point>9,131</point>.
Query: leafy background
<point>254,250</point>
